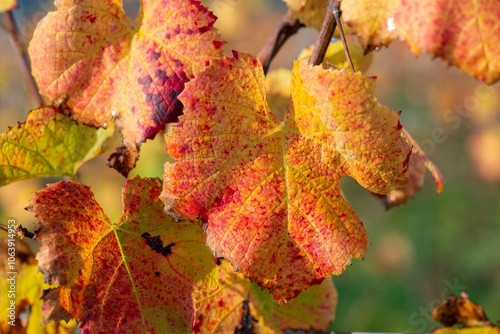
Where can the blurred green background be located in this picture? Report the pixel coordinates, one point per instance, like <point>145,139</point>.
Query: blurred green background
<point>420,252</point>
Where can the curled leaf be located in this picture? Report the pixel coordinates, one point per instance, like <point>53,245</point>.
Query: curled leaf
<point>461,311</point>
<point>419,162</point>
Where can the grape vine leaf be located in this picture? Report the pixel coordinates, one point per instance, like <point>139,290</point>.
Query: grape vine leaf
<point>6,5</point>
<point>372,21</point>
<point>28,288</point>
<point>459,310</point>
<point>463,34</point>
<point>136,275</point>
<point>269,189</point>
<point>239,303</point>
<point>309,12</point>
<point>48,144</point>
<point>419,163</point>
<point>90,56</point>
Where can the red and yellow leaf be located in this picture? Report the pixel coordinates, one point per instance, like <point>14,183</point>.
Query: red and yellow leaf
<point>464,33</point>
<point>135,276</point>
<point>309,12</point>
<point>89,55</point>
<point>239,303</point>
<point>47,144</point>
<point>269,189</point>
<point>6,5</point>
<point>372,21</point>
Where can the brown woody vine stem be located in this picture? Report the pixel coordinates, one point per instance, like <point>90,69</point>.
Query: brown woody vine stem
<point>283,30</point>
<point>325,34</point>
<point>21,231</point>
<point>11,29</point>
<point>336,14</point>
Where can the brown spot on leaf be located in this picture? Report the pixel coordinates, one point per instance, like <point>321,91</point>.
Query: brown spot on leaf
<point>156,244</point>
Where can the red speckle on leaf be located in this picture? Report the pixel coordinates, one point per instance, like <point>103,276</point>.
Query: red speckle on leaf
<point>182,149</point>
<point>134,51</point>
<point>155,55</point>
<point>251,183</point>
<point>218,44</point>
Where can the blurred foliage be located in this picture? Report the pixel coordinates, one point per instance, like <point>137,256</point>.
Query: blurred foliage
<point>421,252</point>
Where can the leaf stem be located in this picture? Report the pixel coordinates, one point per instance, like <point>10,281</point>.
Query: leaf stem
<point>20,231</point>
<point>325,34</point>
<point>337,13</point>
<point>13,32</point>
<point>285,28</point>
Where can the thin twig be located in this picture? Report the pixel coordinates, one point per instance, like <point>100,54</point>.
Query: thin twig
<point>24,232</point>
<point>325,34</point>
<point>4,228</point>
<point>337,13</point>
<point>285,28</point>
<point>21,231</point>
<point>11,28</point>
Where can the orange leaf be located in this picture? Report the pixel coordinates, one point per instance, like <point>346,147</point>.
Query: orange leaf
<point>239,303</point>
<point>90,56</point>
<point>465,33</point>
<point>269,189</point>
<point>372,21</point>
<point>461,311</point>
<point>309,12</point>
<point>134,276</point>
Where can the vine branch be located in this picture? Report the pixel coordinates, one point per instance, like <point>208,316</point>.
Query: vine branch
<point>13,32</point>
<point>325,34</point>
<point>21,231</point>
<point>285,28</point>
